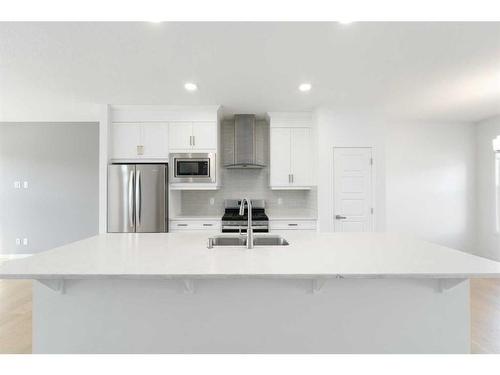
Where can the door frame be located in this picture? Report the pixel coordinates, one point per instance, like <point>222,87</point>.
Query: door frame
<point>372,182</point>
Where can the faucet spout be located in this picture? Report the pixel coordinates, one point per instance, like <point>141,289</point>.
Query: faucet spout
<point>249,222</point>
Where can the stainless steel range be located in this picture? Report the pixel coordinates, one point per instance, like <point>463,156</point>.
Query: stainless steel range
<point>232,222</point>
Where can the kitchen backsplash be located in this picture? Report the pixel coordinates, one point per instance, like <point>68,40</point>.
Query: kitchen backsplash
<point>252,183</point>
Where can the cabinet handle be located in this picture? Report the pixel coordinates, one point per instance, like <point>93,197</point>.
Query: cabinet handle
<point>207,225</point>
<point>293,224</point>
<point>190,140</point>
<point>194,140</point>
<point>292,178</point>
<point>289,178</point>
<point>182,225</point>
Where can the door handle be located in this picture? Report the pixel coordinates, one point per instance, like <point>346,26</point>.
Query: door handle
<point>138,197</point>
<point>340,217</point>
<point>131,206</point>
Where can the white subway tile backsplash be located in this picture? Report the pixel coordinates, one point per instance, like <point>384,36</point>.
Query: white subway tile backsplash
<point>252,183</point>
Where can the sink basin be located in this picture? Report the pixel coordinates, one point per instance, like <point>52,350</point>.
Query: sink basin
<point>269,241</point>
<point>258,240</point>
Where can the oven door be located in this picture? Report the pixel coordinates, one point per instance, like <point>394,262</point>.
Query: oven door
<point>243,228</point>
<point>187,168</point>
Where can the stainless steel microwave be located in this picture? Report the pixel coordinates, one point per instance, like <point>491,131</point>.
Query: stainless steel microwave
<point>192,167</point>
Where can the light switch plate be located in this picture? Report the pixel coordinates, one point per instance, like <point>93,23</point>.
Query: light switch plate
<point>18,241</point>
<point>25,184</point>
<point>25,241</point>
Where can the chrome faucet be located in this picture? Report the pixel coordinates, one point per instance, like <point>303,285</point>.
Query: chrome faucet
<point>249,213</point>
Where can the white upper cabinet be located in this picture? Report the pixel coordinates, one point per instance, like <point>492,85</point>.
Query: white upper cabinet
<point>125,139</point>
<point>180,135</point>
<point>139,141</point>
<point>155,140</point>
<point>280,157</point>
<point>204,135</point>
<point>291,154</point>
<point>300,156</point>
<point>189,136</point>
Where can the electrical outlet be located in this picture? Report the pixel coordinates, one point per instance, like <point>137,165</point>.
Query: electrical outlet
<point>280,200</point>
<point>25,241</point>
<point>212,201</point>
<point>17,184</point>
<point>18,241</point>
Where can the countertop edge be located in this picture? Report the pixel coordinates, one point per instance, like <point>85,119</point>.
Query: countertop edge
<point>245,276</point>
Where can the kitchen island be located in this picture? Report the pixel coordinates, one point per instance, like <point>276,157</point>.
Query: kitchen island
<point>324,293</point>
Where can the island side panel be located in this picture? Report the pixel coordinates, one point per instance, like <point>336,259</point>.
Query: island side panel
<point>251,316</point>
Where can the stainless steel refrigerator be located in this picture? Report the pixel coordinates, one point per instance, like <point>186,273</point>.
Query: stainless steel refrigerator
<point>137,198</point>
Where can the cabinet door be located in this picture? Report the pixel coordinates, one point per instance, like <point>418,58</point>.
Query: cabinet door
<point>301,157</point>
<point>280,157</point>
<point>155,140</point>
<point>180,135</point>
<point>125,139</point>
<point>204,135</point>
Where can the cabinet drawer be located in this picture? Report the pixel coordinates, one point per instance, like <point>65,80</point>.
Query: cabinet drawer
<point>292,225</point>
<point>194,225</point>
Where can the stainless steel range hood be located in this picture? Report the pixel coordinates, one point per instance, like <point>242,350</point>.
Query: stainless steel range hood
<point>245,144</point>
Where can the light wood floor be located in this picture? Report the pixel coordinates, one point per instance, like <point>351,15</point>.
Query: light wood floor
<point>15,316</point>
<point>16,305</point>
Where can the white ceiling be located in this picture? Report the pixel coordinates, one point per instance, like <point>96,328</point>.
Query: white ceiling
<point>431,71</point>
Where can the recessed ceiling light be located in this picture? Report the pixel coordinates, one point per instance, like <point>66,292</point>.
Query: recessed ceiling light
<point>345,22</point>
<point>305,87</point>
<point>190,86</point>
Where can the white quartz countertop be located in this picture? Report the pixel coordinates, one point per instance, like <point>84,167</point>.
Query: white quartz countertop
<point>172,255</point>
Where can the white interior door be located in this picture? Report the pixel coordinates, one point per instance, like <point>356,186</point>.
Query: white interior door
<point>352,173</point>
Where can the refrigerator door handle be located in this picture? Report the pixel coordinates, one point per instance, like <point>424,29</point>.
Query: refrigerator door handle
<point>138,196</point>
<point>131,210</point>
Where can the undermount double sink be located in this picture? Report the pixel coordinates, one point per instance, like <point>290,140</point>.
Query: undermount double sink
<point>241,241</point>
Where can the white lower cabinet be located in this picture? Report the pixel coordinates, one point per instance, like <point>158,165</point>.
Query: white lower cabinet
<point>285,224</point>
<point>194,225</point>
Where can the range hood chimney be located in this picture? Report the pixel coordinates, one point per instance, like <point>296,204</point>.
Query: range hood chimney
<point>244,143</point>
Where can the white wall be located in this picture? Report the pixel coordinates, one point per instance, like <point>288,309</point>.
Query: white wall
<point>346,130</point>
<point>488,241</point>
<point>430,182</point>
<point>60,163</point>
<point>424,175</point>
